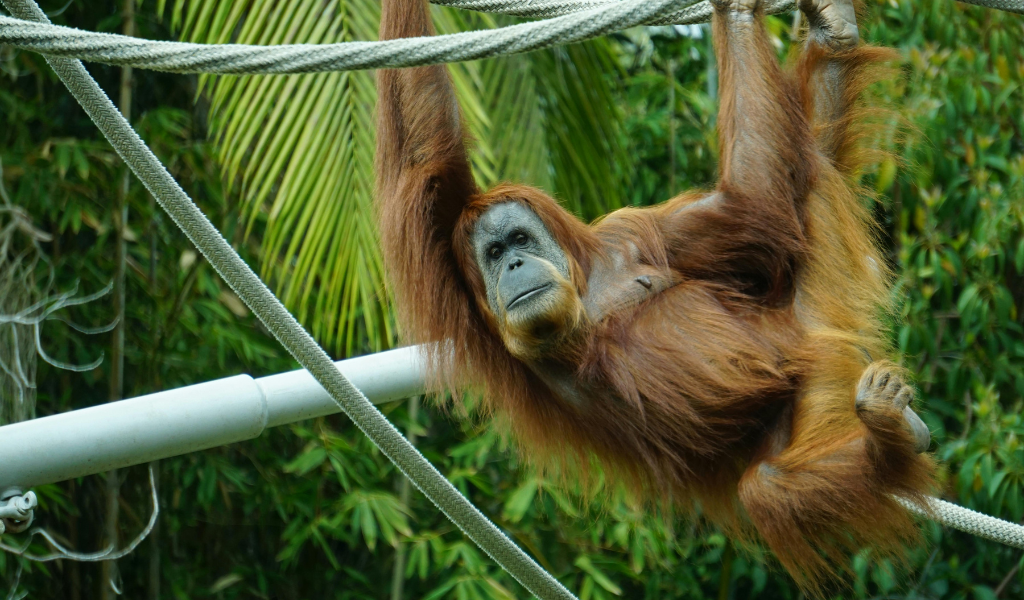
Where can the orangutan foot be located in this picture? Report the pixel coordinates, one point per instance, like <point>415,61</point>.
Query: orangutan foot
<point>882,386</point>
<point>833,23</point>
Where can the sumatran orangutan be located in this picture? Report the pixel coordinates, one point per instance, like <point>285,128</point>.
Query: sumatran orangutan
<point>716,350</point>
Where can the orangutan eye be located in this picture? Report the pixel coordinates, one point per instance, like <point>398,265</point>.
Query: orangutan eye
<point>520,239</point>
<point>494,253</point>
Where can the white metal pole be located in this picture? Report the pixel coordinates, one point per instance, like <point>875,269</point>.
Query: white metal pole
<point>188,419</point>
<point>382,377</point>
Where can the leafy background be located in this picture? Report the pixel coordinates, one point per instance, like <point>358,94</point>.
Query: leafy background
<point>283,165</point>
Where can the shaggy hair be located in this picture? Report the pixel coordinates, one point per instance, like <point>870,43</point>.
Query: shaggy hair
<point>733,389</point>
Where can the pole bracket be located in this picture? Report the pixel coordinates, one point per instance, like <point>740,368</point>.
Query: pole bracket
<point>17,510</point>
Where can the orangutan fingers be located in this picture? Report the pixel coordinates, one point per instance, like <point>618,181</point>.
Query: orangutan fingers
<point>882,387</point>
<point>904,397</point>
<point>883,395</point>
<point>892,390</point>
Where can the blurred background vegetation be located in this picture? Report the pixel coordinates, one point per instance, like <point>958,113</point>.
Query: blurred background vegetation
<point>283,166</point>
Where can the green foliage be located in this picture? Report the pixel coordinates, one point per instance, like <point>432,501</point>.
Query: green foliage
<point>300,148</point>
<point>314,510</point>
<point>957,227</point>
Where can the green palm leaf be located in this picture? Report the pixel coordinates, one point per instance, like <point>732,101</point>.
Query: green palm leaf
<point>298,150</point>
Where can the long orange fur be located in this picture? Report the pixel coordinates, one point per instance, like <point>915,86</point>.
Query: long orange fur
<point>745,404</point>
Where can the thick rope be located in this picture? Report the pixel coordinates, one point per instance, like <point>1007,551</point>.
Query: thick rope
<point>241,59</point>
<point>698,12</point>
<point>553,8</point>
<point>574,20</point>
<point>969,521</point>
<point>287,330</point>
<point>1014,6</point>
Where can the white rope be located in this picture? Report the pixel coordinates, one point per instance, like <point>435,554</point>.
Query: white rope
<point>183,57</point>
<point>287,330</point>
<point>1014,6</point>
<point>698,12</point>
<point>572,21</point>
<point>554,8</point>
<point>968,521</point>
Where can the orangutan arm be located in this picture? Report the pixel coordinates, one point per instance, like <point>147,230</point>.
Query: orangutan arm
<point>749,233</point>
<point>423,175</point>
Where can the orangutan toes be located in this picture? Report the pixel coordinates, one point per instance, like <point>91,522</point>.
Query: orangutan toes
<point>882,389</point>
<point>882,386</point>
<point>833,23</point>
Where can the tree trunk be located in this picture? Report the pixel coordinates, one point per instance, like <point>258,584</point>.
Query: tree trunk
<point>671,73</point>
<point>405,491</point>
<point>109,585</point>
<point>154,536</point>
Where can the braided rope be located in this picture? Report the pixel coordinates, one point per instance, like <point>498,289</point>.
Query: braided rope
<point>571,21</point>
<point>1014,6</point>
<point>242,59</point>
<point>968,521</point>
<point>698,12</point>
<point>554,8</point>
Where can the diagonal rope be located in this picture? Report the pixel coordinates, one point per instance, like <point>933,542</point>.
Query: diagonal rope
<point>287,330</point>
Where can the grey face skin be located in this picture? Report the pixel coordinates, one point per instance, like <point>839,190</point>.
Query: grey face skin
<point>518,257</point>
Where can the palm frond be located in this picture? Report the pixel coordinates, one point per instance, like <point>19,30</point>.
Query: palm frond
<point>298,150</point>
<point>583,124</point>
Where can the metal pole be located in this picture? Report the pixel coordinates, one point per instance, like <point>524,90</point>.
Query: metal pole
<point>189,419</point>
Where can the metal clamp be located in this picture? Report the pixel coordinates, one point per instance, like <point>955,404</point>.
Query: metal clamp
<point>16,510</point>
